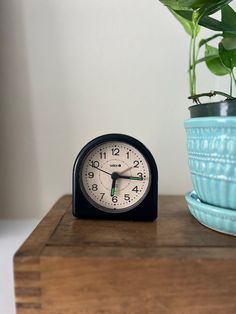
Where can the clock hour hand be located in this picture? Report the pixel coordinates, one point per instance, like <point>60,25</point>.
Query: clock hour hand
<point>100,169</point>
<point>131,178</point>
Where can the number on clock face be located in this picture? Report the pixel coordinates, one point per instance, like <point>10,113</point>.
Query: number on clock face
<point>115,177</point>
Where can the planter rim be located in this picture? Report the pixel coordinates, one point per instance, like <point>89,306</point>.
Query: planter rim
<point>217,122</point>
<point>215,102</point>
<point>223,108</point>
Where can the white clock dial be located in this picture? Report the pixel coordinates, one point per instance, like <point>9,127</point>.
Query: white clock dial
<point>115,177</point>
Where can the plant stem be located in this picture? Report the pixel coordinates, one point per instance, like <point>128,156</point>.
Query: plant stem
<point>209,58</point>
<point>231,84</point>
<point>202,43</point>
<point>192,54</point>
<point>205,41</point>
<point>234,78</point>
<point>194,58</point>
<point>190,67</point>
<point>210,94</point>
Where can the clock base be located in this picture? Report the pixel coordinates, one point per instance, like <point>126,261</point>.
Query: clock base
<point>138,214</point>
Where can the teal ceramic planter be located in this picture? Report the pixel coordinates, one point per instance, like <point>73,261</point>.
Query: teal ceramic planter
<point>211,145</point>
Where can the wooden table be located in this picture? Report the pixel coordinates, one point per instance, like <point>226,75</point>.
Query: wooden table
<point>173,265</point>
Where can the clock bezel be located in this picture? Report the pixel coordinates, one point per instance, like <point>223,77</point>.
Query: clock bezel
<point>83,208</point>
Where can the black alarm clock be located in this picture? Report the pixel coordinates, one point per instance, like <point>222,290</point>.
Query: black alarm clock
<point>115,177</point>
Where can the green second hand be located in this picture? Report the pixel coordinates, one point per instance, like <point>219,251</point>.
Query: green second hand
<point>112,191</point>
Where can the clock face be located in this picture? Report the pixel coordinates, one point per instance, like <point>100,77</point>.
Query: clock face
<point>115,177</point>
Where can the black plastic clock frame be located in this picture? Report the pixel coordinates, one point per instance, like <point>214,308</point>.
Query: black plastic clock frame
<point>147,210</point>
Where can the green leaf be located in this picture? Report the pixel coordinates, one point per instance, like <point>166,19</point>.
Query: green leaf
<point>216,25</point>
<point>228,57</point>
<point>208,22</point>
<point>228,15</point>
<point>200,3</point>
<point>209,7</point>
<point>213,61</point>
<point>178,4</point>
<point>187,25</point>
<point>229,43</point>
<point>204,6</point>
<point>201,8</point>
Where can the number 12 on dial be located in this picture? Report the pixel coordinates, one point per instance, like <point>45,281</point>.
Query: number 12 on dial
<point>115,176</point>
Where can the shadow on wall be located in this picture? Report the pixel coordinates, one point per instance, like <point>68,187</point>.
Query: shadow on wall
<point>19,188</point>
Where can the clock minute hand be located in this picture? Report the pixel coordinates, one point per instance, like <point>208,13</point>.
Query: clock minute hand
<point>100,169</point>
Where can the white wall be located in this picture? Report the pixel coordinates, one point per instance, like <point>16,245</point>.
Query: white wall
<point>72,70</point>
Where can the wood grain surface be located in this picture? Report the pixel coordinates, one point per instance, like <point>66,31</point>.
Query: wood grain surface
<point>173,265</point>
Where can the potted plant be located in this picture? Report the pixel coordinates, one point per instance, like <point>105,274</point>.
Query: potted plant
<point>211,129</point>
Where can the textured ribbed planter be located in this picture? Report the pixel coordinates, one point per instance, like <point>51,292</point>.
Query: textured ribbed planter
<point>211,145</point>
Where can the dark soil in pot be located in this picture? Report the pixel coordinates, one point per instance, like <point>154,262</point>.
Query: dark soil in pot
<point>220,109</point>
